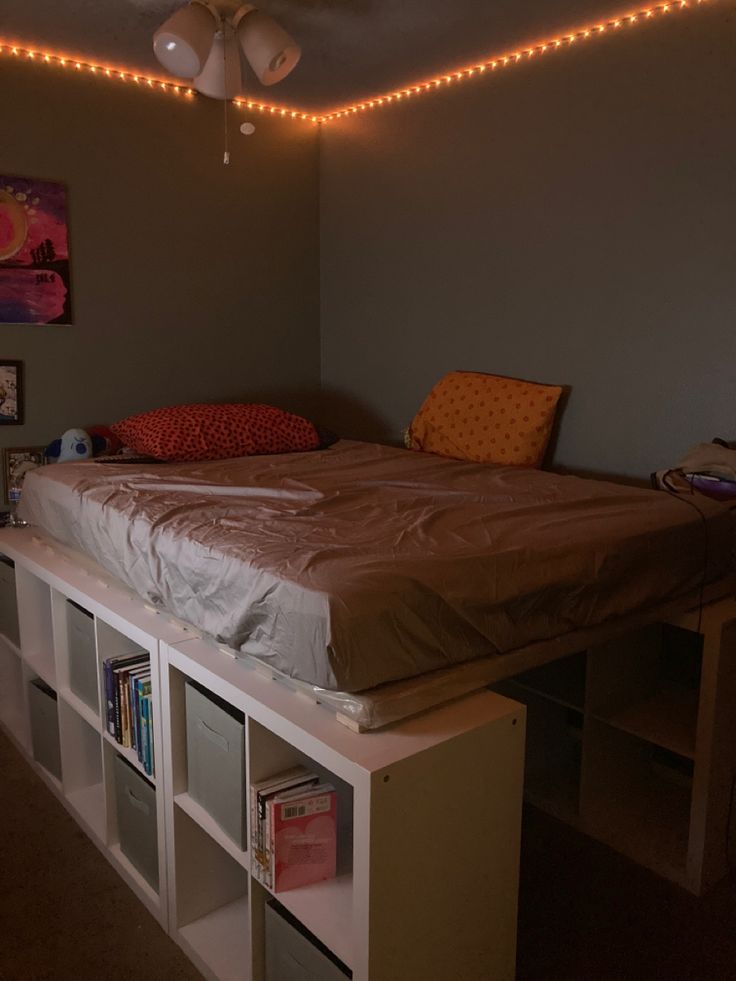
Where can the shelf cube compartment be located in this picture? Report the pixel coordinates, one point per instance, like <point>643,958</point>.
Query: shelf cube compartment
<point>8,603</point>
<point>44,716</point>
<point>135,806</point>
<point>211,913</point>
<point>82,655</point>
<point>36,625</point>
<point>324,908</point>
<point>637,798</point>
<point>216,760</point>
<point>649,686</point>
<point>12,700</point>
<point>293,954</point>
<point>553,756</point>
<point>81,749</point>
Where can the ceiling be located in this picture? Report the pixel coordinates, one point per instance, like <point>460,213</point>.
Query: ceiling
<point>351,49</point>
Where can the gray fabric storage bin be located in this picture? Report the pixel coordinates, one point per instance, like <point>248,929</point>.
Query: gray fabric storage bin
<point>292,956</point>
<point>216,760</point>
<point>80,630</point>
<point>135,804</point>
<point>44,713</point>
<point>8,604</point>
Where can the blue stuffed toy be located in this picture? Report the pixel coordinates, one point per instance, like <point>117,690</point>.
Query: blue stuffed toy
<point>75,444</point>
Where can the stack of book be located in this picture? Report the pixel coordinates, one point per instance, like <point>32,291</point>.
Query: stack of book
<point>128,704</point>
<point>293,830</point>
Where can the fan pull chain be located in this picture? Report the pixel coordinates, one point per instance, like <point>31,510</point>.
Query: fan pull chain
<point>226,155</point>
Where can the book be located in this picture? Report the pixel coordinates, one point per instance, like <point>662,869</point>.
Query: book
<point>303,837</point>
<point>149,767</point>
<point>145,725</point>
<point>135,678</point>
<point>109,698</point>
<point>112,692</point>
<point>298,776</point>
<point>142,688</point>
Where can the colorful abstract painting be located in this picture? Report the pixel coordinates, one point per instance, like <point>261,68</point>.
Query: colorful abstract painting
<point>34,252</point>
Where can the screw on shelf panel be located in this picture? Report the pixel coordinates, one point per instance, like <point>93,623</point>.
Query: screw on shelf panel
<point>264,670</point>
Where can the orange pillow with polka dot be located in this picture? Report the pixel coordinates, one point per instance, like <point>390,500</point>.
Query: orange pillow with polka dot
<point>487,419</point>
<point>216,432</point>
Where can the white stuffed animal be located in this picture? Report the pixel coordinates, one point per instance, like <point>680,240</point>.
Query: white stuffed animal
<point>75,444</point>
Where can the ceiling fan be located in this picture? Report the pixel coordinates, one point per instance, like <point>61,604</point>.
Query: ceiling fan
<point>202,41</point>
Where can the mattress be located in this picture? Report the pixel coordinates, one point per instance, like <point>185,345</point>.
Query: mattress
<point>359,565</point>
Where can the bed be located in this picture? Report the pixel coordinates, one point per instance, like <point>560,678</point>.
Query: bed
<point>364,571</point>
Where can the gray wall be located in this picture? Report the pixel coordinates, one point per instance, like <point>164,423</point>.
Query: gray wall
<point>571,221</point>
<point>191,280</point>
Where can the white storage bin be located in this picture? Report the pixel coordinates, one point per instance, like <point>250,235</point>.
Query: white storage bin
<point>135,804</point>
<point>293,955</point>
<point>44,713</point>
<point>216,760</point>
<point>82,654</point>
<point>8,603</point>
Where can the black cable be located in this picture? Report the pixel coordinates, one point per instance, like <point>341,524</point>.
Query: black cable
<point>690,501</point>
<point>728,822</point>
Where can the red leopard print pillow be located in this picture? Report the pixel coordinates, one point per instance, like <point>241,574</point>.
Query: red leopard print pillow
<point>216,432</point>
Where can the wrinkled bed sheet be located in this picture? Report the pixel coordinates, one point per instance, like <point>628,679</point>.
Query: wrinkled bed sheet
<point>361,564</point>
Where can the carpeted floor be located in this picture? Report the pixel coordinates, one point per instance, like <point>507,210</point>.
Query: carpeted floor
<point>65,914</point>
<point>586,914</point>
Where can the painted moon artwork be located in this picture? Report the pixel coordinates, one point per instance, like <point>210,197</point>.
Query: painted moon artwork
<point>34,252</point>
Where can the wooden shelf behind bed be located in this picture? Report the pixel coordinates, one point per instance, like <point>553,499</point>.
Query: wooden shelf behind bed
<point>633,744</point>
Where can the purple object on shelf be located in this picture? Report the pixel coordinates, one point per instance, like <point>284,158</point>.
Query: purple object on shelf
<point>717,487</point>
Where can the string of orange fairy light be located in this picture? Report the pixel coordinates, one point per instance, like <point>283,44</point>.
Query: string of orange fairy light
<point>514,57</point>
<point>495,63</point>
<point>147,82</point>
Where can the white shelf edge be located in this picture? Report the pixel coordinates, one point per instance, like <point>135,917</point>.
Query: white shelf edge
<point>207,823</point>
<point>326,910</point>
<point>4,639</point>
<point>15,733</point>
<point>47,776</point>
<point>541,693</point>
<point>45,671</point>
<point>77,705</point>
<point>218,943</point>
<point>88,804</point>
<point>145,892</point>
<point>625,720</point>
<point>653,857</point>
<point>129,755</point>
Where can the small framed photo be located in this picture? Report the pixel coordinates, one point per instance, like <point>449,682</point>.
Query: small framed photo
<point>17,461</point>
<point>11,393</point>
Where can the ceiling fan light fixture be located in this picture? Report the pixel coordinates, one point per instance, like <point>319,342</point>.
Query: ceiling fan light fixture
<point>271,52</point>
<point>183,43</point>
<point>220,78</point>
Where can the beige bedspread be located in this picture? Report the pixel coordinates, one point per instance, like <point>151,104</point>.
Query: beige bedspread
<point>363,564</point>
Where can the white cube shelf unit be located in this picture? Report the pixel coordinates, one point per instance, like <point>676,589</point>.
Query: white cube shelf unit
<point>428,832</point>
<point>428,810</point>
<point>46,579</point>
<point>632,743</point>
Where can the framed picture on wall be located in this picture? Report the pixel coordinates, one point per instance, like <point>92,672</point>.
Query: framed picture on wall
<point>17,461</point>
<point>11,393</point>
<point>35,283</point>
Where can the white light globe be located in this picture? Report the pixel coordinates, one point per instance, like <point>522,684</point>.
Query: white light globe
<point>182,44</point>
<point>220,76</point>
<point>271,52</point>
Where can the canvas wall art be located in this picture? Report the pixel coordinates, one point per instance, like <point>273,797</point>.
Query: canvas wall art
<point>34,252</point>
